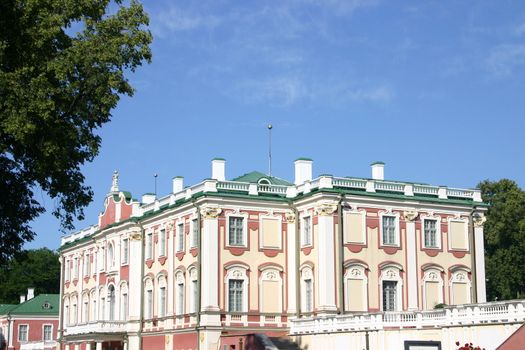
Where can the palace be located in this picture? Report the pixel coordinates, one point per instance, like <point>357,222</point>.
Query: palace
<point>211,263</point>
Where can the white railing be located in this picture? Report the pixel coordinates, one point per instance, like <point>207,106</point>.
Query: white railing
<point>233,186</point>
<point>79,234</point>
<point>426,190</point>
<point>456,192</point>
<point>494,312</point>
<point>97,327</point>
<point>349,183</point>
<point>389,186</point>
<point>272,189</point>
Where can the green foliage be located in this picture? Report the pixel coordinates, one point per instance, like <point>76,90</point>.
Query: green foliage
<point>504,239</point>
<point>38,268</point>
<point>62,71</point>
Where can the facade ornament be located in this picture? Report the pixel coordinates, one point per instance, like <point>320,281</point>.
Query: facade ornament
<point>169,225</point>
<point>410,215</point>
<point>326,209</point>
<point>270,275</point>
<point>114,181</point>
<point>237,274</point>
<point>355,272</point>
<point>135,234</point>
<point>210,212</point>
<point>290,217</point>
<point>306,273</point>
<point>479,220</point>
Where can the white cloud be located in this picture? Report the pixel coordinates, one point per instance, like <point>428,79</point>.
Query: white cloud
<point>504,59</point>
<point>280,91</point>
<point>375,94</point>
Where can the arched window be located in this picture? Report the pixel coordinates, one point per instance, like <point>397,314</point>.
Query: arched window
<point>432,288</point>
<point>194,290</point>
<point>93,306</point>
<point>85,307</point>
<point>111,302</point>
<point>74,309</point>
<point>356,287</point>
<point>179,293</point>
<point>236,287</point>
<point>391,287</point>
<point>102,303</point>
<point>111,256</point>
<point>264,181</point>
<point>307,289</point>
<point>460,287</point>
<point>124,301</point>
<point>270,290</point>
<point>67,314</point>
<point>162,295</point>
<point>148,290</point>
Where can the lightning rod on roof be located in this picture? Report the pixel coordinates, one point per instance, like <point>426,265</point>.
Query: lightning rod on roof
<point>270,149</point>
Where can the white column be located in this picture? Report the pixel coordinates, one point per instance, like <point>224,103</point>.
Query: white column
<point>480,259</point>
<point>170,232</point>
<point>77,346</point>
<point>291,260</point>
<point>88,346</point>
<point>136,260</point>
<point>11,333</point>
<point>411,266</point>
<point>326,267</point>
<point>209,271</point>
<point>99,345</point>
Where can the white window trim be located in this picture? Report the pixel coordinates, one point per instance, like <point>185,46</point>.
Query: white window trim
<point>397,232</point>
<point>236,272</point>
<point>311,235</point>
<point>391,273</point>
<point>192,272</point>
<point>354,211</point>
<point>148,286</point>
<point>271,273</point>
<point>449,236</point>
<point>279,220</point>
<point>193,220</point>
<point>432,275</point>
<point>73,309</point>
<point>123,290</point>
<point>237,214</point>
<point>178,233</point>
<point>162,310</point>
<point>43,333</point>
<point>124,242</point>
<point>180,279</point>
<point>85,297</point>
<point>356,272</point>
<point>460,276</point>
<point>93,304</point>
<point>148,253</point>
<point>86,264</point>
<point>307,274</point>
<point>27,334</point>
<point>163,242</point>
<point>439,238</point>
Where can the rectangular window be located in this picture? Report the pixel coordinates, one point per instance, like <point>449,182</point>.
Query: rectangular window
<point>102,315</point>
<point>430,233</point>
<point>162,301</point>
<point>149,304</point>
<point>149,245</point>
<point>307,231</point>
<point>162,249</point>
<point>389,295</point>
<point>48,332</point>
<point>195,295</point>
<point>235,291</point>
<point>75,268</point>
<point>125,251</point>
<point>95,263</point>
<point>308,295</point>
<point>85,312</point>
<point>124,308</point>
<point>180,299</point>
<point>87,265</point>
<point>236,228</point>
<point>23,329</point>
<point>68,270</point>
<point>180,237</point>
<point>195,233</point>
<point>389,230</point>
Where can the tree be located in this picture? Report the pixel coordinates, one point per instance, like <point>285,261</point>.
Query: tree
<point>62,70</point>
<point>504,238</point>
<point>38,268</point>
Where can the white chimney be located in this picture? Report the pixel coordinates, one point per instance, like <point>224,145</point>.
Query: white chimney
<point>303,170</point>
<point>218,169</point>
<point>178,184</point>
<point>30,293</point>
<point>378,170</point>
<point>148,198</point>
<point>22,298</point>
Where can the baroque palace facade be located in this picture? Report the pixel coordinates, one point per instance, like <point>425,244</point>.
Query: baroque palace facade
<point>250,255</point>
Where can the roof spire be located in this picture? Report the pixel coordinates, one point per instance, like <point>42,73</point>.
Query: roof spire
<point>114,181</point>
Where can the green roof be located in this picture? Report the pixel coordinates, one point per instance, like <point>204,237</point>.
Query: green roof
<point>43,304</point>
<point>255,176</point>
<point>378,162</point>
<point>304,158</point>
<point>5,308</point>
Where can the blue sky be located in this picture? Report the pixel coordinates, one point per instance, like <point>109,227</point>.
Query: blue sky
<point>435,89</point>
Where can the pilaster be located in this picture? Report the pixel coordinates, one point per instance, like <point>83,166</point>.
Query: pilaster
<point>411,266</point>
<point>209,268</point>
<point>479,221</point>
<point>136,261</point>
<point>291,262</point>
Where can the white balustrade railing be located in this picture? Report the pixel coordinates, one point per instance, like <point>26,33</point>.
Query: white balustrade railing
<point>272,189</point>
<point>233,186</point>
<point>97,327</point>
<point>349,183</point>
<point>459,193</point>
<point>494,312</point>
<point>426,190</point>
<point>389,186</point>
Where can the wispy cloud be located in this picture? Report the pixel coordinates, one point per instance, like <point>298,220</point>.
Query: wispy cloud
<point>504,59</point>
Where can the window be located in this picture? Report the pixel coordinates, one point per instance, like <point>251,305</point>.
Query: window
<point>87,265</point>
<point>125,251</point>
<point>235,295</point>
<point>102,315</point>
<point>111,257</point>
<point>389,230</point>
<point>149,303</point>
<point>85,310</point>
<point>162,301</point>
<point>68,270</point>
<point>75,268</point>
<point>124,307</point>
<point>389,295</point>
<point>149,245</point>
<point>236,231</point>
<point>111,302</point>
<point>180,237</point>
<point>48,332</point>
<point>355,288</point>
<point>23,330</point>
<point>195,296</point>
<point>430,233</point>
<point>194,233</point>
<point>307,231</point>
<point>162,243</point>
<point>308,295</point>
<point>180,298</point>
<point>95,262</point>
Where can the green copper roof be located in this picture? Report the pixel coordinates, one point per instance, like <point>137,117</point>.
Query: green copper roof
<point>304,158</point>
<point>43,304</point>
<point>378,162</point>
<point>255,176</point>
<point>5,308</point>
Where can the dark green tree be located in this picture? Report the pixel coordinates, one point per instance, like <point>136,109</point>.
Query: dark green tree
<point>38,268</point>
<point>504,239</point>
<point>63,66</point>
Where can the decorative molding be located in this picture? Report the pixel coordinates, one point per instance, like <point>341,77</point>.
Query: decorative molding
<point>290,217</point>
<point>410,215</point>
<point>479,220</point>
<point>210,212</point>
<point>326,209</point>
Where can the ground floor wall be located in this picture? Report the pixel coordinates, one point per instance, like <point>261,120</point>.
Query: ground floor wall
<point>485,336</point>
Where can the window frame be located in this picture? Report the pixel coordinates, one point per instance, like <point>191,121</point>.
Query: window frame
<point>26,333</point>
<point>124,245</point>
<point>180,241</point>
<point>306,236</point>
<point>397,238</point>
<point>44,332</point>
<point>244,233</point>
<point>307,274</point>
<point>439,236</point>
<point>391,272</point>
<point>194,227</point>
<point>148,254</point>
<point>236,272</point>
<point>180,293</point>
<point>466,234</point>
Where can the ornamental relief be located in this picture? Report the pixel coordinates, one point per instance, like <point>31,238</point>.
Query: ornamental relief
<point>193,274</point>
<point>391,274</point>
<point>237,274</point>
<point>432,276</point>
<point>410,215</point>
<point>479,220</point>
<point>306,273</point>
<point>210,212</point>
<point>326,209</point>
<point>290,217</point>
<point>179,278</point>
<point>270,275</point>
